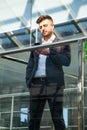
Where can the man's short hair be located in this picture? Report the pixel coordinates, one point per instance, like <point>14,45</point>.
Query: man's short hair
<point>43,17</point>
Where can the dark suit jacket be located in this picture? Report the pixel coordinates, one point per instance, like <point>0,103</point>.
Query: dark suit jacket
<point>59,56</point>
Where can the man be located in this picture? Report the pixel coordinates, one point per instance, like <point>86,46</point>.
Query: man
<point>45,77</point>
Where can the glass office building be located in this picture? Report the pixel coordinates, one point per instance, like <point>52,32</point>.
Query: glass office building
<point>18,32</point>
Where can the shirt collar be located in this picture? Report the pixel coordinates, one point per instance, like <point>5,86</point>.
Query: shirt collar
<point>50,40</point>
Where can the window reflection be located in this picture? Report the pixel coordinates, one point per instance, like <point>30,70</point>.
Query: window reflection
<point>24,116</point>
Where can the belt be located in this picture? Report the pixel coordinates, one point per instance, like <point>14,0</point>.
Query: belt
<point>39,79</point>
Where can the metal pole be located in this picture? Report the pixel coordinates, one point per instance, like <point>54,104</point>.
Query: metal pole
<point>80,85</point>
<point>60,43</point>
<point>82,88</point>
<point>12,108</point>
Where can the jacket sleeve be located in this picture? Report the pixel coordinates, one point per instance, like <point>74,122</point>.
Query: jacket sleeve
<point>29,68</point>
<point>61,55</point>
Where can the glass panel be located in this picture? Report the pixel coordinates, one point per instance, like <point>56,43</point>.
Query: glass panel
<point>23,36</point>
<point>20,115</point>
<point>12,76</point>
<point>24,39</point>
<point>7,44</point>
<point>67,31</point>
<point>5,112</point>
<point>76,8</point>
<point>13,14</point>
<point>83,25</point>
<point>71,90</point>
<point>15,83</point>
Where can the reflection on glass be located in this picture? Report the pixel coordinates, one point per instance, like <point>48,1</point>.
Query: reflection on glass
<point>24,116</point>
<point>7,44</point>
<point>84,24</point>
<point>66,30</point>
<point>5,112</point>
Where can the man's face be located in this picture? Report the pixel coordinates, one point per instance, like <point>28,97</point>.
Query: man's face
<point>46,27</point>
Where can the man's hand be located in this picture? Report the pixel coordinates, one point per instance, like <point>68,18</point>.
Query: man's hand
<point>44,51</point>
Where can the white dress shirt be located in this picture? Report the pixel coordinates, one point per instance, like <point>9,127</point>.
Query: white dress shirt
<point>41,71</point>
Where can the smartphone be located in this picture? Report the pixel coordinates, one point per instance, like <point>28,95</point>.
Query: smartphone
<point>37,43</point>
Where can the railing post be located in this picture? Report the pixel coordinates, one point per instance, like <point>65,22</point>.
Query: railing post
<point>11,118</point>
<point>80,85</point>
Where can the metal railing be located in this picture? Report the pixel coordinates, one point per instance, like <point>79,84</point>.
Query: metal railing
<point>80,71</point>
<point>59,43</point>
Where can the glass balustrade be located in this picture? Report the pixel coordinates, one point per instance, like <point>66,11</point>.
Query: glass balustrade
<point>14,95</point>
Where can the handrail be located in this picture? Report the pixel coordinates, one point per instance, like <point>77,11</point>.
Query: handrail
<point>14,59</point>
<point>59,43</point>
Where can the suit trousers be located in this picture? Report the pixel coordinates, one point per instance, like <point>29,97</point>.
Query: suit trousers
<point>40,92</point>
